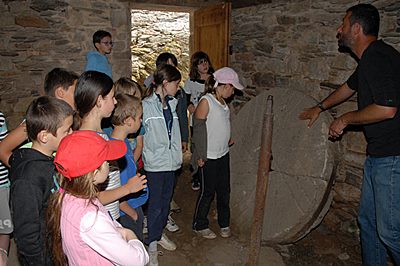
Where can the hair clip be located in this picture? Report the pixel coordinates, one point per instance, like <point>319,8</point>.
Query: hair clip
<point>216,84</point>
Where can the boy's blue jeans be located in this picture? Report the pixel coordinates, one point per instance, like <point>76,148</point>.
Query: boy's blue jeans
<point>161,187</point>
<point>379,213</point>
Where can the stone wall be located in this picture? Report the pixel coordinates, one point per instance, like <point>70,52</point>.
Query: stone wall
<point>40,35</point>
<point>155,32</point>
<point>292,44</point>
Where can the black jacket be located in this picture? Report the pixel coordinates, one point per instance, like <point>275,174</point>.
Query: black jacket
<point>181,111</point>
<point>32,183</point>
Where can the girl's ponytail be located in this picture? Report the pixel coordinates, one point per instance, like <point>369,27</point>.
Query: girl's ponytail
<point>210,85</point>
<point>165,72</point>
<point>150,90</point>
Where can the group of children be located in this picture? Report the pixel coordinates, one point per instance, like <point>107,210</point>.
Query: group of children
<point>83,206</point>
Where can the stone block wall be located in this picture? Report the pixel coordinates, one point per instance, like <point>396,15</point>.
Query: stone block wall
<point>155,32</point>
<point>40,35</point>
<point>292,44</point>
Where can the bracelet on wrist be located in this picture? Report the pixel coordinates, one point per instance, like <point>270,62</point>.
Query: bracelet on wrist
<point>320,106</point>
<point>4,251</point>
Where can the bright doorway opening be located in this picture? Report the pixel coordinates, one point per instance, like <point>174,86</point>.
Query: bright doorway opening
<point>155,32</point>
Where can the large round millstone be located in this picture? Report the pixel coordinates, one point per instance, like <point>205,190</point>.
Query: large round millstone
<point>302,163</point>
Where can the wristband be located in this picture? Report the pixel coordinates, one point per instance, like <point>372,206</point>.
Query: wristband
<point>4,251</point>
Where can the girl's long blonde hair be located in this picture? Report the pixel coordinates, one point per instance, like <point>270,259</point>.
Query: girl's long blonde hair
<point>81,187</point>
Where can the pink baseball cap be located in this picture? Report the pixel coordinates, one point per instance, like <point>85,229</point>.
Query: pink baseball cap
<point>227,75</point>
<point>84,151</point>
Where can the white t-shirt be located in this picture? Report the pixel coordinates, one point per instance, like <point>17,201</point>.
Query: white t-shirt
<point>195,89</point>
<point>113,181</point>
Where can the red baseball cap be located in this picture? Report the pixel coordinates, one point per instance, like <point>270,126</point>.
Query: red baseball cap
<point>84,151</point>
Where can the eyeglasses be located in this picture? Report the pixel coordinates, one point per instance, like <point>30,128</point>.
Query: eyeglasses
<point>108,43</point>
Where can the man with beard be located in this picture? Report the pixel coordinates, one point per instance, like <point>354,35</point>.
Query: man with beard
<point>377,83</point>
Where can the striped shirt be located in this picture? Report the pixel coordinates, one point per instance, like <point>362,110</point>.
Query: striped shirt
<point>4,181</point>
<point>112,182</point>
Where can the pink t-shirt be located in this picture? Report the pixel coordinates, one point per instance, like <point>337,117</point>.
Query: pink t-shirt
<point>90,236</point>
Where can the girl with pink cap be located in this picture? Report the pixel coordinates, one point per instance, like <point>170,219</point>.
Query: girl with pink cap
<point>211,141</point>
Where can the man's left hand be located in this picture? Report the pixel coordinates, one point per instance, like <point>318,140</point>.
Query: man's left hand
<point>336,128</point>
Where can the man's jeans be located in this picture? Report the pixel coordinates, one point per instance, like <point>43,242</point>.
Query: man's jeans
<point>379,213</point>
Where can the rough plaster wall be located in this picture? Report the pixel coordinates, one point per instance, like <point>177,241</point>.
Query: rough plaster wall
<point>292,44</point>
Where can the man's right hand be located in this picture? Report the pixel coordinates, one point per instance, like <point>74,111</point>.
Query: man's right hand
<point>310,114</point>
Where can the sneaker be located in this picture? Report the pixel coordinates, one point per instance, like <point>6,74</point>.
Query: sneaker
<point>171,225</point>
<point>166,243</point>
<point>153,258</point>
<point>174,207</point>
<point>225,232</point>
<point>195,184</point>
<point>206,233</point>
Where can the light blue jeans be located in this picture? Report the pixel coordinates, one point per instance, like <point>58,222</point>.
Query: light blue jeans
<point>379,213</point>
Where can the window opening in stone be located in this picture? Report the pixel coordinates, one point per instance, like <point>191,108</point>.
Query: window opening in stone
<point>155,32</point>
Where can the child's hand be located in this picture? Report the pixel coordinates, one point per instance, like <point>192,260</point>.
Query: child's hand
<point>134,215</point>
<point>126,233</point>
<point>200,162</point>
<point>231,142</point>
<point>184,146</point>
<point>191,108</point>
<point>136,183</point>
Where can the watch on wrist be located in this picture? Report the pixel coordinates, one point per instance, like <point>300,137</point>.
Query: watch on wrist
<point>320,106</point>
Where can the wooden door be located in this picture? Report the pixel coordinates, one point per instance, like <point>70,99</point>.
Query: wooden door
<point>212,32</point>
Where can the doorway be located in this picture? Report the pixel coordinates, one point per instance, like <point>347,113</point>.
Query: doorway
<point>181,31</point>
<point>155,32</point>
